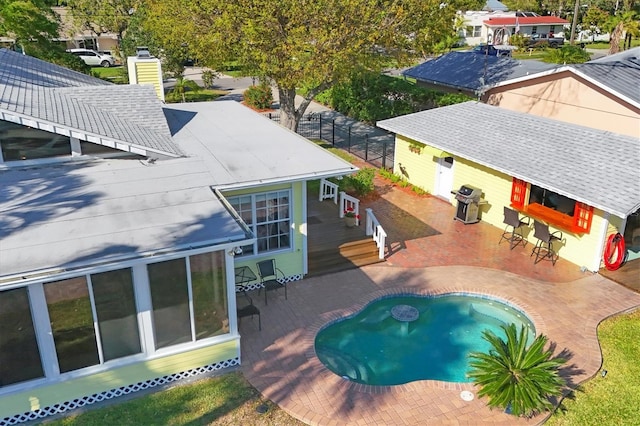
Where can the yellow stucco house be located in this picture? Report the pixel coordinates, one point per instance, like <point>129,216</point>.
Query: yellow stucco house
<point>511,155</point>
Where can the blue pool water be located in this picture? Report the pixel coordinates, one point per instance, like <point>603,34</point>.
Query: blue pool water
<point>372,347</point>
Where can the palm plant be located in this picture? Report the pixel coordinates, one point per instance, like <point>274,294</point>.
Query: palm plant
<point>569,54</point>
<point>516,376</point>
<point>183,85</point>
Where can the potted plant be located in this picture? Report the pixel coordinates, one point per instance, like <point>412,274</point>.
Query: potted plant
<point>351,218</point>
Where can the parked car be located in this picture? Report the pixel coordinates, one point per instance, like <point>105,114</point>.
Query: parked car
<point>93,58</point>
<point>491,50</point>
<point>538,39</point>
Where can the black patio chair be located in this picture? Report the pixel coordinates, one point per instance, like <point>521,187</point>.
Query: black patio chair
<point>271,277</point>
<point>544,247</point>
<point>513,229</point>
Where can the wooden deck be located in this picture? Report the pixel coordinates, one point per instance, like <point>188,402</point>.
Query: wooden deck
<point>628,275</point>
<point>333,246</point>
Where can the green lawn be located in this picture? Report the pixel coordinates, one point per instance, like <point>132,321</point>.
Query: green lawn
<point>116,74</point>
<point>224,400</point>
<point>615,398</point>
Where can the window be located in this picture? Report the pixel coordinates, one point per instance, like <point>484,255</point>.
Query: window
<point>552,29</point>
<point>551,200</point>
<point>170,299</point>
<point>19,354</point>
<point>72,303</point>
<point>116,311</point>
<point>559,210</point>
<point>72,323</point>
<point>534,30</point>
<point>189,307</point>
<point>25,143</point>
<point>269,216</point>
<point>474,31</point>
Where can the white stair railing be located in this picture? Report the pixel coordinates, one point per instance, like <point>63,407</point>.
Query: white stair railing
<point>378,233</point>
<point>328,190</point>
<point>349,204</point>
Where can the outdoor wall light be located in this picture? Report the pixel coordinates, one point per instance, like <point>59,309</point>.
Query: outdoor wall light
<point>235,250</point>
<point>604,373</point>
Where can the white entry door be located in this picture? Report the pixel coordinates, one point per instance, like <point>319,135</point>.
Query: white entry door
<point>444,177</point>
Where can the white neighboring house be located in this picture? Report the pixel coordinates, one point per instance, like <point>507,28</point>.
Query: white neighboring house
<point>495,27</point>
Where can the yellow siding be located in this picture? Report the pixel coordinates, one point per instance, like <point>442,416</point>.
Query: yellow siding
<point>581,249</point>
<point>419,167</point>
<point>77,388</point>
<point>291,262</point>
<point>148,72</point>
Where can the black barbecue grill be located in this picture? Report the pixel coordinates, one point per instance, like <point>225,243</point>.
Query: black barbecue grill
<point>468,201</point>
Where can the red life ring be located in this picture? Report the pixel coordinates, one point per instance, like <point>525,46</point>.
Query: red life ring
<point>615,246</point>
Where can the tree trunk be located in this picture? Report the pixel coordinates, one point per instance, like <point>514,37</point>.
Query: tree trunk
<point>616,35</point>
<point>289,115</point>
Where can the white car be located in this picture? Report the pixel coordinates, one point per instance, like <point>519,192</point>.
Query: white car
<point>93,58</point>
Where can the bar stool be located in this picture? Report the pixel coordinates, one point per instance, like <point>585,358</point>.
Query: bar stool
<point>544,246</point>
<point>513,230</point>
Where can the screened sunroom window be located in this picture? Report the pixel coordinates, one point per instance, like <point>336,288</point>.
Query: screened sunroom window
<point>269,216</point>
<point>77,305</point>
<point>189,306</point>
<point>19,353</point>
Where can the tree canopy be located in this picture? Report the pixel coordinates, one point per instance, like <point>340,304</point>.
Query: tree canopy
<point>102,16</point>
<point>303,43</point>
<point>28,21</point>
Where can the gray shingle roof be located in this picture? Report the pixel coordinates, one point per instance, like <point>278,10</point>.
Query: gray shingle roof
<point>599,168</point>
<point>619,72</point>
<point>465,70</point>
<point>130,114</point>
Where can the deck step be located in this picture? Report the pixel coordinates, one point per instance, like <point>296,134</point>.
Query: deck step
<point>348,256</point>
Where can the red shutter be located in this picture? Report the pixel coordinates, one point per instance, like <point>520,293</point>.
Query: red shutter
<point>582,216</point>
<point>518,193</point>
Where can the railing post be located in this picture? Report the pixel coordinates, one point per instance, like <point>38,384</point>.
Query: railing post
<point>369,226</point>
<point>333,132</point>
<point>366,147</point>
<point>384,155</point>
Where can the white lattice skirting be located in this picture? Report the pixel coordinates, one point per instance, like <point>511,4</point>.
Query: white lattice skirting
<point>258,285</point>
<point>114,393</point>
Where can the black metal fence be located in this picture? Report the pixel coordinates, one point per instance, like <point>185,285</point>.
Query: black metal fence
<point>374,147</point>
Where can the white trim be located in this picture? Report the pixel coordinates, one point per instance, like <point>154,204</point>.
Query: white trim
<point>55,274</point>
<point>595,266</point>
<point>304,231</point>
<point>60,129</point>
<point>256,184</point>
<point>142,292</point>
<point>44,335</point>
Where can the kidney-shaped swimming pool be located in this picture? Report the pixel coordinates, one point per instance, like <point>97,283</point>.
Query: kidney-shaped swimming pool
<point>400,339</point>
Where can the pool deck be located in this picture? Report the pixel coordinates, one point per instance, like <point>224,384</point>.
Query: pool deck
<point>565,304</point>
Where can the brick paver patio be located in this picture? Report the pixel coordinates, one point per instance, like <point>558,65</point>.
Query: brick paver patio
<point>429,253</point>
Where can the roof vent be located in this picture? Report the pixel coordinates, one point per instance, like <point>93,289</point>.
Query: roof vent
<point>143,52</point>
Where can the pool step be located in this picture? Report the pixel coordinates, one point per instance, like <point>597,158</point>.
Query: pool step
<point>347,256</point>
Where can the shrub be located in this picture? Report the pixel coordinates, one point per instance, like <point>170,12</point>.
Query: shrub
<point>259,97</point>
<point>371,97</point>
<point>518,40</point>
<point>360,183</point>
<point>207,78</point>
